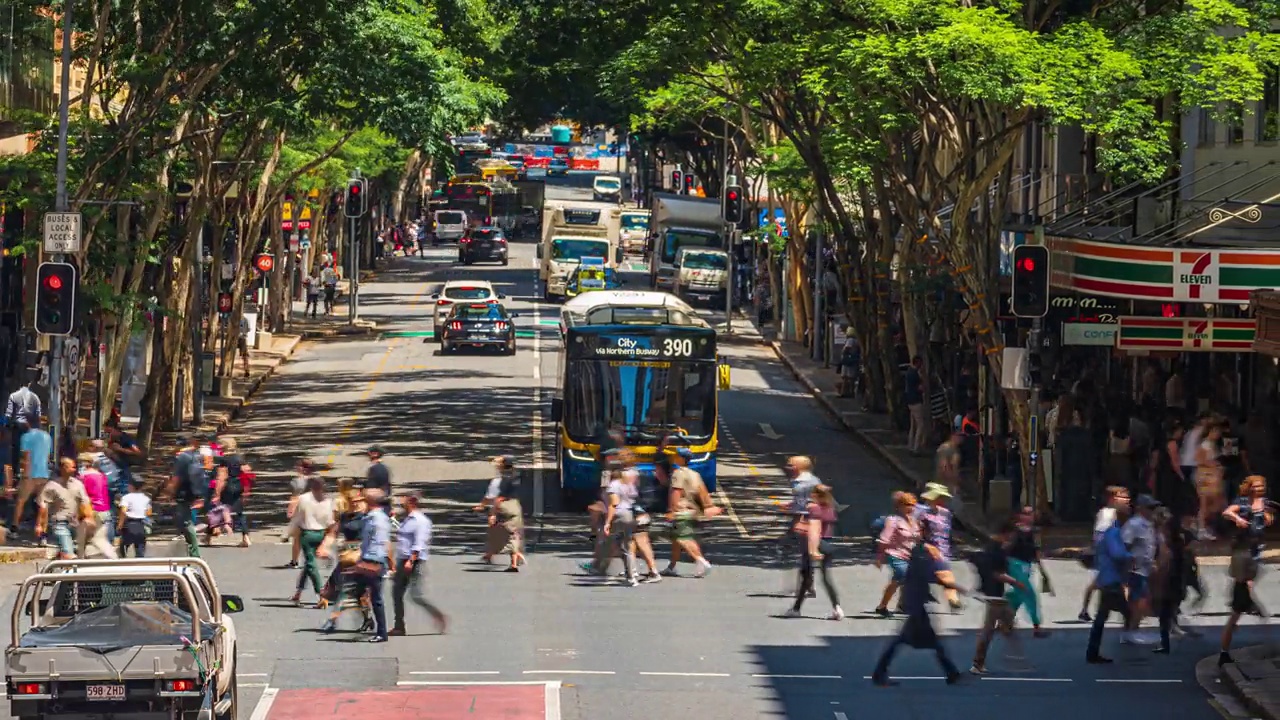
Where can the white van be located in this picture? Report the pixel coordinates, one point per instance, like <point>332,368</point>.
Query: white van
<point>450,225</point>
<point>606,188</point>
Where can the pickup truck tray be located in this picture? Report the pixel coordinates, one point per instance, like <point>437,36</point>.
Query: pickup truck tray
<point>115,627</point>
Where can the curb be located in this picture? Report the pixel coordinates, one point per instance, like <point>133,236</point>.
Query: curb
<point>343,331</point>
<point>16,555</point>
<point>866,440</point>
<point>1242,700</point>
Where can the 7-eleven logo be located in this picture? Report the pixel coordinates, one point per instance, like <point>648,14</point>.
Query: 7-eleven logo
<point>1195,272</point>
<point>1197,333</point>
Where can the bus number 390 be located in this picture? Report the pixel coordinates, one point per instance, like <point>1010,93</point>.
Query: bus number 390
<point>677,347</point>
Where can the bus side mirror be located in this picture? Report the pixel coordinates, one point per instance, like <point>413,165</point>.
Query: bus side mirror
<point>539,251</point>
<point>722,376</point>
<point>557,409</point>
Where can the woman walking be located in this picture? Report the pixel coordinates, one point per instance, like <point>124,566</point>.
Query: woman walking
<point>96,533</point>
<point>900,535</point>
<point>316,524</point>
<point>817,527</point>
<point>506,516</point>
<point>917,630</point>
<point>1208,480</point>
<point>1172,488</point>
<point>1171,570</point>
<point>230,490</point>
<point>351,510</point>
<point>134,522</point>
<point>1024,552</point>
<point>1251,514</point>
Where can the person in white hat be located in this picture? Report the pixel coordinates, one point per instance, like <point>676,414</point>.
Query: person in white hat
<point>938,518</point>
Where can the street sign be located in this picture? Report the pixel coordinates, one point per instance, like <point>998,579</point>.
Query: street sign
<point>295,242</point>
<point>62,232</point>
<point>264,263</point>
<point>306,243</point>
<point>224,303</point>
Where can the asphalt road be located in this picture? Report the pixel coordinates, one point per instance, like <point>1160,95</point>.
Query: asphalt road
<point>549,643</point>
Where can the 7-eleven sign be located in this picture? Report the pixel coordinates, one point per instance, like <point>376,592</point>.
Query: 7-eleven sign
<point>1196,334</point>
<point>1195,276</point>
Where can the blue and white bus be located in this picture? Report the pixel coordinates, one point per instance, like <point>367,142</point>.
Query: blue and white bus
<point>639,363</point>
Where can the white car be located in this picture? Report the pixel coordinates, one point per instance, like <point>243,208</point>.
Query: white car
<point>606,188</point>
<point>456,291</point>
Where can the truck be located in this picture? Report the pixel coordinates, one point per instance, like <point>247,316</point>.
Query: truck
<point>633,231</point>
<point>702,274</point>
<point>680,221</point>
<point>142,638</point>
<point>569,235</point>
<point>533,199</point>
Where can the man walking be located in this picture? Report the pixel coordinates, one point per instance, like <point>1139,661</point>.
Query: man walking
<point>413,545</point>
<point>187,488</point>
<point>1111,561</point>
<point>378,476</point>
<point>913,398</point>
<point>36,447</point>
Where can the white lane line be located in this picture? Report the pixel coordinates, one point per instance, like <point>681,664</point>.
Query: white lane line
<point>455,672</point>
<point>537,372</point>
<point>802,677</point>
<point>251,685</point>
<point>1134,681</point>
<point>244,675</point>
<point>263,708</point>
<point>910,677</point>
<point>551,704</point>
<point>569,672</point>
<point>733,515</point>
<point>538,490</point>
<point>685,674</point>
<point>841,716</point>
<point>443,683</point>
<point>1027,679</point>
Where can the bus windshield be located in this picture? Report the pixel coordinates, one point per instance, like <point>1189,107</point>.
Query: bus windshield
<point>635,221</point>
<point>676,239</point>
<point>578,248</point>
<point>648,400</point>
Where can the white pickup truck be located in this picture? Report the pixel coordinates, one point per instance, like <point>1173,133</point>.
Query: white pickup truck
<point>142,639</point>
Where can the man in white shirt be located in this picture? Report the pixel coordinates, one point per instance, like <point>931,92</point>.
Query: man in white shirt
<point>1139,534</point>
<point>329,278</point>
<point>413,545</point>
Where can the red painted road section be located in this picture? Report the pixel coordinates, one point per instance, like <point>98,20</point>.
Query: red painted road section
<point>451,702</point>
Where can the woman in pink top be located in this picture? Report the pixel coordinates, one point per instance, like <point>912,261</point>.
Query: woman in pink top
<point>96,486</point>
<point>900,535</point>
<point>817,525</point>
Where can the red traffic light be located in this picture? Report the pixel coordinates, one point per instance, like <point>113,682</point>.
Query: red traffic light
<point>1027,265</point>
<point>53,282</point>
<point>355,189</point>
<point>733,195</point>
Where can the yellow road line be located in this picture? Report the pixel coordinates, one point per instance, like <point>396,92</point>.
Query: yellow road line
<point>350,423</point>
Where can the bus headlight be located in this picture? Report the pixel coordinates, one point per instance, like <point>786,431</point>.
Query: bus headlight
<point>704,457</point>
<point>580,455</point>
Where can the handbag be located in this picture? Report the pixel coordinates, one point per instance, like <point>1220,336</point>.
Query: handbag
<point>348,558</point>
<point>367,569</point>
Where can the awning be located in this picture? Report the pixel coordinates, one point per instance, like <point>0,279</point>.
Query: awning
<point>1186,334</point>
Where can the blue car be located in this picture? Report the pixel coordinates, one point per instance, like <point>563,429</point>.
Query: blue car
<point>558,166</point>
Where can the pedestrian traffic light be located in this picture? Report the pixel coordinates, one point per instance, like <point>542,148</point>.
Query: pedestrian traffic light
<point>688,183</point>
<point>57,285</point>
<point>733,205</point>
<point>676,176</point>
<point>1030,281</point>
<point>355,198</point>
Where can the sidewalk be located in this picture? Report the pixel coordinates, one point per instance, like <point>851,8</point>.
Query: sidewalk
<point>1251,683</point>
<point>335,325</point>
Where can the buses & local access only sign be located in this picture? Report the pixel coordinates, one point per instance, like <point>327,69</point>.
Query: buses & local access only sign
<point>62,232</point>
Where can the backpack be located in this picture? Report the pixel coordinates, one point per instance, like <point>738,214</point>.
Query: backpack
<point>875,528</point>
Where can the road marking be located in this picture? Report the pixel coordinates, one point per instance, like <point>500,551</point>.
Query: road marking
<point>252,685</point>
<point>910,677</point>
<point>841,716</point>
<point>733,515</point>
<point>537,372</point>
<point>240,674</point>
<point>1027,679</point>
<point>1136,681</point>
<point>680,674</point>
<point>551,706</point>
<point>444,683</point>
<point>767,431</point>
<point>263,708</point>
<point>350,424</point>
<point>569,672</point>
<point>455,672</point>
<point>802,677</point>
<point>538,489</point>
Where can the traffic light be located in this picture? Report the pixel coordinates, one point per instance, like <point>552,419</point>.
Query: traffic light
<point>1030,281</point>
<point>733,205</point>
<point>57,285</point>
<point>355,198</point>
<point>688,183</point>
<point>676,175</point>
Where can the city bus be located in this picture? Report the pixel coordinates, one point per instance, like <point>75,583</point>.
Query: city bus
<point>642,364</point>
<point>494,204</point>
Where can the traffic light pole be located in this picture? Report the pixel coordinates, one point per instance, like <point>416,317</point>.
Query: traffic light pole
<point>1033,399</point>
<point>353,279</point>
<point>64,102</point>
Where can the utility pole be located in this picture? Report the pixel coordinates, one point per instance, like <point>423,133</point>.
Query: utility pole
<point>64,110</point>
<point>729,233</point>
<point>355,206</point>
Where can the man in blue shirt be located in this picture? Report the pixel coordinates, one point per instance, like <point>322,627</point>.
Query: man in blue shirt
<point>375,542</point>
<point>413,544</point>
<point>1111,561</point>
<point>36,448</point>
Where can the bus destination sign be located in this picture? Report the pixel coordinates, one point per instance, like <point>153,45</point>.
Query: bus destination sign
<point>663,346</point>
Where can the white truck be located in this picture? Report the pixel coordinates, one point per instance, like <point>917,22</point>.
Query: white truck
<point>143,639</point>
<point>702,274</point>
<point>680,221</point>
<point>634,231</point>
<point>570,234</point>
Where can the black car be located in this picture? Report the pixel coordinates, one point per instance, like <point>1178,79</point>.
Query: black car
<point>483,244</point>
<point>479,325</point>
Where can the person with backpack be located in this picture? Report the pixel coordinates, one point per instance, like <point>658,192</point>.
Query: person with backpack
<point>186,486</point>
<point>1251,515</point>
<point>231,490</point>
<point>687,500</point>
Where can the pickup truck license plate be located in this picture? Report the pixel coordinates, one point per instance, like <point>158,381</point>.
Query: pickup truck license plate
<point>703,297</point>
<point>105,693</point>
